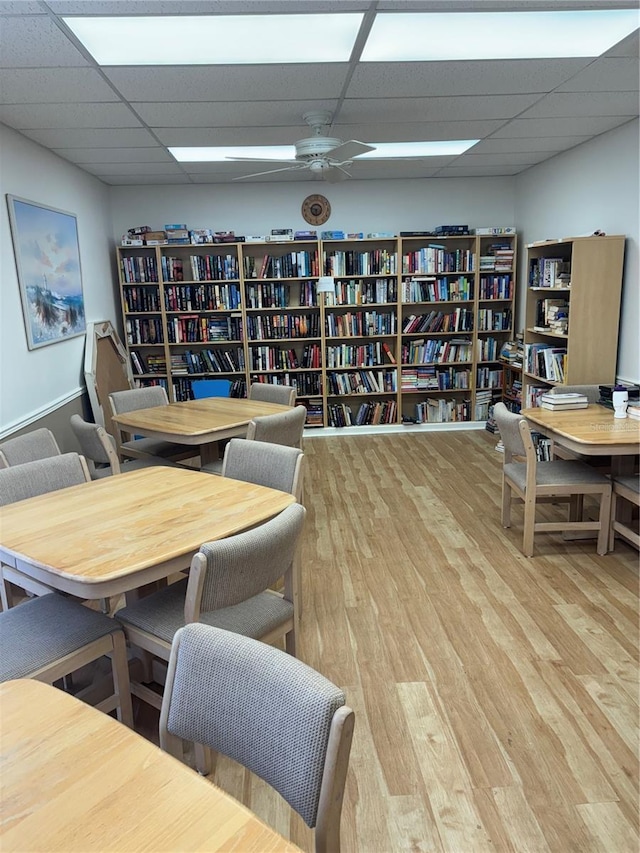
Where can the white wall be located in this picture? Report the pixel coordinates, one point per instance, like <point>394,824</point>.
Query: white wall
<point>32,382</point>
<point>593,187</point>
<point>355,205</point>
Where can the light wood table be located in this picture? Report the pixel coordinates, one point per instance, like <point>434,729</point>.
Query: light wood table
<point>111,536</point>
<point>198,423</point>
<point>74,779</point>
<point>591,432</point>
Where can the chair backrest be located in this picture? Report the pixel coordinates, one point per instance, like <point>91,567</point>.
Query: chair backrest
<point>241,698</point>
<point>95,443</point>
<point>282,428</point>
<point>591,392</point>
<point>138,398</point>
<point>203,388</point>
<point>41,476</point>
<point>229,571</point>
<point>37,444</point>
<point>267,392</point>
<point>515,435</point>
<point>265,464</point>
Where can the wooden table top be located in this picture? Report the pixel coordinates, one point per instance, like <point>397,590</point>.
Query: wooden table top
<point>201,420</point>
<point>112,535</point>
<point>594,429</point>
<point>75,779</point>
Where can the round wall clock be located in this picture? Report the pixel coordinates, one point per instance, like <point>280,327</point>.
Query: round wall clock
<point>316,209</point>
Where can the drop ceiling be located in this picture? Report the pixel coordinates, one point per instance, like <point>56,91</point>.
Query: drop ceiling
<point>117,122</point>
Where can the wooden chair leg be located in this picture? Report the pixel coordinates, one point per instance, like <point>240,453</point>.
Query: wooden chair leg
<point>576,505</point>
<point>506,504</point>
<point>203,759</point>
<point>121,685</point>
<point>529,526</point>
<point>605,520</point>
<point>290,642</point>
<point>612,518</point>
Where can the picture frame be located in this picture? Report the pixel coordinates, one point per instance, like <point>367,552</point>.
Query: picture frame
<point>47,255</point>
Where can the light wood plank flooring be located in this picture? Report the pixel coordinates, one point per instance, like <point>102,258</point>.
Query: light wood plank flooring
<point>496,696</point>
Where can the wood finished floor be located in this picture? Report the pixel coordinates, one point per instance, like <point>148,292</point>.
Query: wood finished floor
<point>496,696</point>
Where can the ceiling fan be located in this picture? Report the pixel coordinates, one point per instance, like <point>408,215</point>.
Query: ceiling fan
<point>324,156</point>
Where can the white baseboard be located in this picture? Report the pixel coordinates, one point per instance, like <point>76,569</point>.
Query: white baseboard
<point>386,429</point>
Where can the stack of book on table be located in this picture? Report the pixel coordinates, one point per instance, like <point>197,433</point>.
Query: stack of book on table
<point>562,402</point>
<point>633,411</point>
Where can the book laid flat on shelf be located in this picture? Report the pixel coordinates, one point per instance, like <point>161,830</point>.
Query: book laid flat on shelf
<point>563,401</point>
<point>633,411</point>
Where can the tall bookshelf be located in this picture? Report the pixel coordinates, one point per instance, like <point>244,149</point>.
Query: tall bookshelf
<point>412,333</point>
<point>574,287</point>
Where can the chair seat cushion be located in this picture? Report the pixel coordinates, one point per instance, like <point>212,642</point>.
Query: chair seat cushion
<point>162,613</point>
<point>42,630</point>
<point>559,472</point>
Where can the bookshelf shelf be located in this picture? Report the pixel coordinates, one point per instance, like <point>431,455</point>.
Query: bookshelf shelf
<point>199,309</point>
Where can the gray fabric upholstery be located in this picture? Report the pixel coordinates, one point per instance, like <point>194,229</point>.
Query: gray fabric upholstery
<point>38,632</point>
<point>509,426</point>
<point>37,444</point>
<point>631,483</point>
<point>162,614</point>
<point>146,398</point>
<point>558,472</point>
<point>591,392</point>
<point>267,392</point>
<point>239,570</point>
<point>283,428</point>
<point>262,463</point>
<point>88,436</point>
<point>257,705</point>
<point>39,477</point>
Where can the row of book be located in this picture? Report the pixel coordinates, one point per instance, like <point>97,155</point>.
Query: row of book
<point>352,262</point>
<point>498,257</point>
<point>359,355</point>
<point>437,259</point>
<point>441,411</point>
<point>290,265</point>
<point>277,326</point>
<point>150,363</point>
<point>275,294</point>
<point>183,390</point>
<point>144,330</point>
<point>459,320</point>
<point>277,358</point>
<point>141,298</point>
<point>214,267</point>
<point>549,272</point>
<point>217,360</point>
<point>432,289</point>
<point>487,349</point>
<point>428,378</point>
<point>489,377</point>
<point>341,415</point>
<point>546,361</point>
<point>552,315</point>
<point>203,297</point>
<point>490,320</point>
<point>437,352</point>
<point>362,382</point>
<point>184,330</point>
<point>360,324</point>
<point>496,287</point>
<point>306,384</point>
<point>380,291</point>
<point>136,270</point>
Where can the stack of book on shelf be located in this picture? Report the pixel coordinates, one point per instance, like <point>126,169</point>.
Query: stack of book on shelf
<point>633,411</point>
<point>562,402</point>
<point>606,392</point>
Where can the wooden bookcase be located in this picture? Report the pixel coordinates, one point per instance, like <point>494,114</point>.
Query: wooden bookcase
<point>412,334</point>
<point>581,277</point>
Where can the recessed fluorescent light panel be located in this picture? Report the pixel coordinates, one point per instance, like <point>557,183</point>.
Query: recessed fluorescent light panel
<point>417,37</point>
<point>384,151</point>
<point>217,40</point>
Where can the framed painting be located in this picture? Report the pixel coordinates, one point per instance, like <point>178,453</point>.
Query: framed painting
<point>47,253</point>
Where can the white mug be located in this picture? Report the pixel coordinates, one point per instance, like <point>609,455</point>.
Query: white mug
<point>620,399</point>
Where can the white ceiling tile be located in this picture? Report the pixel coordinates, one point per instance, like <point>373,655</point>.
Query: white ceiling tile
<point>494,77</point>
<point>35,42</point>
<point>203,7</point>
<point>54,85</point>
<point>467,171</point>
<point>134,180</point>
<point>229,82</point>
<point>129,137</point>
<point>21,7</point>
<point>82,156</point>
<point>586,104</point>
<point>133,169</point>
<point>550,144</point>
<point>67,116</point>
<point>606,75</point>
<point>567,126</point>
<point>515,158</point>
<point>416,131</point>
<point>217,115</point>
<point>629,46</point>
<point>434,109</point>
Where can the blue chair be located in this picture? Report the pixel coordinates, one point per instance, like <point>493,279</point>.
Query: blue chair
<point>210,388</point>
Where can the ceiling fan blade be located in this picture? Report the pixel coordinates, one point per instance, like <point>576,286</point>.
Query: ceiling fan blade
<point>269,172</point>
<point>261,160</point>
<point>349,150</point>
<point>335,174</point>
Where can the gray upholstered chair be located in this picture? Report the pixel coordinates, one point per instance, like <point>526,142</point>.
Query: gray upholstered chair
<point>265,464</point>
<point>50,637</point>
<point>267,392</point>
<point>99,449</point>
<point>282,428</point>
<point>132,399</point>
<point>228,587</point>
<point>26,481</point>
<point>625,490</point>
<point>240,697</point>
<point>37,444</point>
<point>534,482</point>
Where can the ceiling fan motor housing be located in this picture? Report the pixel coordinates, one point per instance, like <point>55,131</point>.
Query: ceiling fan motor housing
<point>315,146</point>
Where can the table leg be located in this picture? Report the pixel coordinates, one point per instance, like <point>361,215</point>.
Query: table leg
<point>208,452</point>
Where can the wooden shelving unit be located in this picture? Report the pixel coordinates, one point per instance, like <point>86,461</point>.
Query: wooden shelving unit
<point>412,334</point>
<point>582,277</point>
